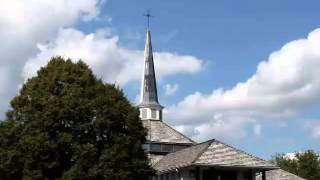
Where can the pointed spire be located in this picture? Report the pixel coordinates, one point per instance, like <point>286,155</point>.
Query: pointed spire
<point>149,94</point>
<point>149,106</point>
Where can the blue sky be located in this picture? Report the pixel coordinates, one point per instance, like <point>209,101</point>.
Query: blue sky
<point>232,37</point>
<point>209,48</point>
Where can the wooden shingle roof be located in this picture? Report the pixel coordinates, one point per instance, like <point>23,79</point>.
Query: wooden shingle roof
<point>182,158</point>
<point>160,132</point>
<point>211,153</point>
<point>279,174</point>
<point>222,154</point>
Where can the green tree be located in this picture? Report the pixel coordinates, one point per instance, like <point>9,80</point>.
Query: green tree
<point>305,164</point>
<point>67,124</point>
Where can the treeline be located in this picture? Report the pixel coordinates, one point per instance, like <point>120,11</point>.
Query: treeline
<point>304,164</point>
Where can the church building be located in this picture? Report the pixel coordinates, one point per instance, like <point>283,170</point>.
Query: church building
<point>176,157</point>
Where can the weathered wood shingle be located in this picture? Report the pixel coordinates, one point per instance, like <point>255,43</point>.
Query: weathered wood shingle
<point>211,153</point>
<point>279,174</point>
<point>182,158</point>
<point>221,154</point>
<point>158,131</point>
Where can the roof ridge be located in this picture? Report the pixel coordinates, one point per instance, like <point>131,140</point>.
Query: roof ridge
<point>209,142</point>
<point>155,164</point>
<point>204,149</point>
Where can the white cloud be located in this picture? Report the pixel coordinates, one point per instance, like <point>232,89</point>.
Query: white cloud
<point>35,13</point>
<point>314,127</point>
<point>284,85</point>
<point>107,58</point>
<point>316,132</point>
<point>291,156</point>
<point>26,23</point>
<point>170,89</point>
<point>4,82</point>
<point>32,31</point>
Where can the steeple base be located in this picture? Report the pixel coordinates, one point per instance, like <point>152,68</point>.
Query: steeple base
<point>151,112</point>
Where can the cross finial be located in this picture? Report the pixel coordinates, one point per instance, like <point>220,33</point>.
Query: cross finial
<point>148,16</point>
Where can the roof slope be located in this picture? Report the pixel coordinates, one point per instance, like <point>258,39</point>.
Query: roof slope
<point>211,153</point>
<point>280,174</point>
<point>182,158</point>
<point>222,154</point>
<point>160,132</point>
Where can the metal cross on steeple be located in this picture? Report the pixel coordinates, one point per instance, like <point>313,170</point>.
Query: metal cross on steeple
<point>148,16</point>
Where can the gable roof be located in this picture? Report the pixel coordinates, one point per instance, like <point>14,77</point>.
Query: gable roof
<point>211,153</point>
<point>160,132</point>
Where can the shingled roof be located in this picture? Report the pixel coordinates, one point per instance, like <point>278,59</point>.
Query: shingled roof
<point>160,132</point>
<point>182,158</point>
<point>279,174</point>
<point>211,153</point>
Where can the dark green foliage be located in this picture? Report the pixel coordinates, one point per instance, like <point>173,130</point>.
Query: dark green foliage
<point>306,164</point>
<point>66,124</point>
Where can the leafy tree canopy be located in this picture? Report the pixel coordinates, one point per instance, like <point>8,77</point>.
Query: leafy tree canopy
<point>67,124</point>
<point>305,164</point>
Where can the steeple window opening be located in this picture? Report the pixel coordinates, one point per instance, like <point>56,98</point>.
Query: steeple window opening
<point>143,113</point>
<point>153,113</point>
<point>163,148</point>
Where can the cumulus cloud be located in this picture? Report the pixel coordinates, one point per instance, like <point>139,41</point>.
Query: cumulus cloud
<point>219,128</point>
<point>316,132</point>
<point>26,23</point>
<point>283,86</point>
<point>170,89</point>
<point>33,31</point>
<point>107,58</point>
<point>4,82</point>
<point>314,127</point>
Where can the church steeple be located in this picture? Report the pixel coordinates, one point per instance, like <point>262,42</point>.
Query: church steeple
<point>149,104</point>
